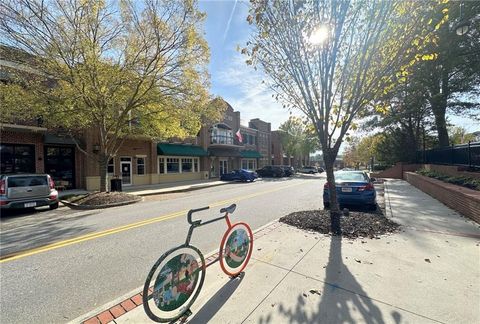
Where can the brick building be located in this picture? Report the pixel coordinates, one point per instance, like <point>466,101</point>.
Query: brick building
<point>27,146</point>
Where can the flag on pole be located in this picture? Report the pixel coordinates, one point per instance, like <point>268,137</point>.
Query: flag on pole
<point>239,136</point>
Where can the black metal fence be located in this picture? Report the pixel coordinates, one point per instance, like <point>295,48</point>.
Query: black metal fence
<point>464,155</point>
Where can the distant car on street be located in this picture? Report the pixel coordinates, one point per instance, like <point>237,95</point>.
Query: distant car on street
<point>352,188</point>
<point>271,171</point>
<point>288,170</point>
<point>239,175</point>
<point>27,191</point>
<point>308,169</point>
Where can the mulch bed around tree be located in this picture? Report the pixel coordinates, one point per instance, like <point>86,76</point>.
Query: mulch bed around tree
<point>105,198</point>
<point>357,224</point>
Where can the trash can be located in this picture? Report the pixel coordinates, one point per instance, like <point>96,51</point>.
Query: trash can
<point>205,175</point>
<point>116,184</point>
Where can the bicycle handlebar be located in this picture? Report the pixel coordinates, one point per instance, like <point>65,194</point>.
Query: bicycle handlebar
<point>191,211</point>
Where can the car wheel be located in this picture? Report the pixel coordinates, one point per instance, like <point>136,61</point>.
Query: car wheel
<point>54,205</point>
<point>326,205</point>
<point>373,207</point>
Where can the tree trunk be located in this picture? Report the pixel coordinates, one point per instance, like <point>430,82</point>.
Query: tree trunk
<point>439,108</point>
<point>103,163</point>
<point>441,126</point>
<point>334,209</point>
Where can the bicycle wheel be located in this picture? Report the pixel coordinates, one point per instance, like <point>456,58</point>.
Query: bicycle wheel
<point>236,248</point>
<point>176,279</point>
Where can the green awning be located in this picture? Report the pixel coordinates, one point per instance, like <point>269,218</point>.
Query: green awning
<point>180,150</point>
<point>250,154</point>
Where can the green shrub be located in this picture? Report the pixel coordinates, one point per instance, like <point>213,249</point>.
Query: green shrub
<point>463,181</point>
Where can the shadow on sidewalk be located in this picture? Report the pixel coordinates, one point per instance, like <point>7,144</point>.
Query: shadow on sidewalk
<point>341,295</point>
<point>215,303</point>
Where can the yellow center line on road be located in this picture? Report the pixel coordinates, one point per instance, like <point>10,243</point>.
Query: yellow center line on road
<point>91,236</point>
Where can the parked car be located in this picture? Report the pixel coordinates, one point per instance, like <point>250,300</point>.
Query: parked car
<point>320,169</point>
<point>288,170</point>
<point>308,169</point>
<point>353,188</point>
<point>27,190</point>
<point>271,171</point>
<point>239,175</point>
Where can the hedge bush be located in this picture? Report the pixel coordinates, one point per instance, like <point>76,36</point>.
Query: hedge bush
<point>467,182</point>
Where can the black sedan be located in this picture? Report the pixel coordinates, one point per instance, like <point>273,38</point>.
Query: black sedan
<point>271,171</point>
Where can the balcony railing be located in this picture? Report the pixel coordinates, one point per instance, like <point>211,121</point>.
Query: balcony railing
<point>224,139</point>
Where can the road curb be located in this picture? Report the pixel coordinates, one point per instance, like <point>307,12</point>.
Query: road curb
<point>386,197</point>
<point>108,312</point>
<point>89,207</point>
<point>160,192</point>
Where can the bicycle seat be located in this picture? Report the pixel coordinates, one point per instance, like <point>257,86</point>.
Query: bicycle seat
<point>230,209</point>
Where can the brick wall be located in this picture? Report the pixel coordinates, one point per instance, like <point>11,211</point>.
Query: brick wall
<point>396,172</point>
<point>463,200</point>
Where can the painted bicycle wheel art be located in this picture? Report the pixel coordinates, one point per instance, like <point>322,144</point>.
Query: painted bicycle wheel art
<point>176,280</point>
<point>236,249</point>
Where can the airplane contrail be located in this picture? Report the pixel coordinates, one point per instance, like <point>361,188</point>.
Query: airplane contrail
<point>229,21</point>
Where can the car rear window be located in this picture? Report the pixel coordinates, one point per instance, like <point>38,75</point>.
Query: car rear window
<point>350,176</point>
<point>27,181</point>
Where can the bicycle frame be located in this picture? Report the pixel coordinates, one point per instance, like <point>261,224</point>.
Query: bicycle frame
<point>199,223</point>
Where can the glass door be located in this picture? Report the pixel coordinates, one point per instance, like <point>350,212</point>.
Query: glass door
<point>126,170</point>
<point>223,166</point>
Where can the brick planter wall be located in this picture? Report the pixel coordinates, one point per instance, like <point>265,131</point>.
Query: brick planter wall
<point>463,200</point>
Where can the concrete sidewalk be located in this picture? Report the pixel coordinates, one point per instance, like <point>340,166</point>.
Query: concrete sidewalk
<point>160,188</point>
<point>427,273</point>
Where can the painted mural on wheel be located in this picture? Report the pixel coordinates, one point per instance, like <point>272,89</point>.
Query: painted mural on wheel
<point>236,249</point>
<point>176,282</point>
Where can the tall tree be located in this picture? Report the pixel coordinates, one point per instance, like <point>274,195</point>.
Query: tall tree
<point>452,78</point>
<point>331,59</point>
<point>459,135</point>
<point>118,67</point>
<point>298,139</point>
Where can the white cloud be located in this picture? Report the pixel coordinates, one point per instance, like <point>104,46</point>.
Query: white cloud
<point>251,97</point>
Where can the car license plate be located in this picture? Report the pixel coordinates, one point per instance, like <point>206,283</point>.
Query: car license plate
<point>346,189</point>
<point>30,204</point>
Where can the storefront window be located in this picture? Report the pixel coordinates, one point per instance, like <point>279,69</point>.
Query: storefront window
<point>173,165</point>
<point>110,168</point>
<point>17,158</point>
<point>187,165</point>
<point>141,166</point>
<point>161,165</point>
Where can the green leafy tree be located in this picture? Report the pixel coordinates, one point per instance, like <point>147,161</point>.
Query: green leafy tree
<point>459,135</point>
<point>451,79</point>
<point>331,60</point>
<point>298,139</point>
<point>115,69</point>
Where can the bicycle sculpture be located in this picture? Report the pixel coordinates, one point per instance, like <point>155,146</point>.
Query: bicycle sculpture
<point>175,280</point>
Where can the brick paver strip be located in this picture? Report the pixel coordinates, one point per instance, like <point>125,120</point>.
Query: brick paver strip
<point>128,305</point>
<point>105,317</point>
<point>117,311</point>
<point>136,300</point>
<point>93,320</point>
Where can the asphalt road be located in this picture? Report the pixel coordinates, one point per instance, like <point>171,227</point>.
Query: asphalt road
<point>86,259</point>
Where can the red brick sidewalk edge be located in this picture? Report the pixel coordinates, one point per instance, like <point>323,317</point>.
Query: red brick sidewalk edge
<point>127,305</point>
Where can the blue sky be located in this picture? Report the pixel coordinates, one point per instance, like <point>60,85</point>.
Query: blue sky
<point>239,84</point>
